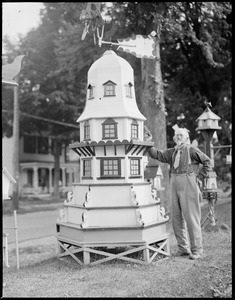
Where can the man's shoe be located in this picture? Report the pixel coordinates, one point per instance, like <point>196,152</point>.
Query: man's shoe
<point>181,253</point>
<point>195,255</point>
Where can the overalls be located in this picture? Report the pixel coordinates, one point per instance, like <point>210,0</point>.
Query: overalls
<point>186,212</point>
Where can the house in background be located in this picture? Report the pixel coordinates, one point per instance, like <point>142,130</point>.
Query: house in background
<point>36,170</point>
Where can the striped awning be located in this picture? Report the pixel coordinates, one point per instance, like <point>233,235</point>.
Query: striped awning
<point>89,148</point>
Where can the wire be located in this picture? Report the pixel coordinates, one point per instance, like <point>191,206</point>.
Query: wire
<point>43,119</point>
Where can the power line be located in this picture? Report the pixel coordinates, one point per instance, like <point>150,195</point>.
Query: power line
<point>43,119</point>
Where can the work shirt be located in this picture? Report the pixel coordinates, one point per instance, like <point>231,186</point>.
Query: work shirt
<point>191,159</point>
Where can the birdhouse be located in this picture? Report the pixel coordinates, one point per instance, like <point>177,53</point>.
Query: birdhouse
<point>207,125</point>
<point>229,157</point>
<point>211,182</point>
<point>7,179</point>
<point>154,175</point>
<point>112,205</point>
<point>208,120</point>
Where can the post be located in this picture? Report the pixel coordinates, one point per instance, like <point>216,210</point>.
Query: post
<point>5,249</point>
<point>207,135</point>
<point>16,126</point>
<point>16,239</point>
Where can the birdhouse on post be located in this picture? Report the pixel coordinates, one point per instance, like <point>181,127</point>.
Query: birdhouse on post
<point>7,179</point>
<point>207,125</point>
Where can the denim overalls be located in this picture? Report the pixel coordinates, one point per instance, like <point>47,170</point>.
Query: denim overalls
<point>186,212</point>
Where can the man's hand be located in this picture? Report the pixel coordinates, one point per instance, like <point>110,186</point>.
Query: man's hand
<point>199,183</point>
<point>147,134</point>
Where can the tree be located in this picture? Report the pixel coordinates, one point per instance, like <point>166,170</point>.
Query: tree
<point>43,90</point>
<point>193,64</point>
<point>143,18</point>
<point>197,60</point>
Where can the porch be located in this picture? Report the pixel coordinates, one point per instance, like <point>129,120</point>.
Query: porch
<point>37,178</point>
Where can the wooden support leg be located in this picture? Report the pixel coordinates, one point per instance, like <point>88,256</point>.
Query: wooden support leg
<point>86,257</point>
<point>146,255</point>
<point>68,252</point>
<point>167,247</point>
<point>60,249</point>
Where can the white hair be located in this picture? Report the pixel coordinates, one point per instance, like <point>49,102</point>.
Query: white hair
<point>184,132</point>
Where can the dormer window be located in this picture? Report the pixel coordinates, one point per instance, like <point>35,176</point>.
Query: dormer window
<point>129,90</point>
<point>134,130</point>
<point>109,129</point>
<point>90,89</point>
<point>87,130</point>
<point>109,88</point>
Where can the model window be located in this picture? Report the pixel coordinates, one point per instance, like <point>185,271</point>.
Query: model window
<point>129,89</point>
<point>109,88</point>
<point>110,167</point>
<point>86,130</point>
<point>134,130</point>
<point>87,168</point>
<point>109,129</point>
<point>90,89</point>
<point>134,167</point>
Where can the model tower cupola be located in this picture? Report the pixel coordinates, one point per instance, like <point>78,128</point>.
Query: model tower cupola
<point>110,94</point>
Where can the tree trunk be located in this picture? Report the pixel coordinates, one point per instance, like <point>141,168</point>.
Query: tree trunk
<point>56,168</point>
<point>152,105</point>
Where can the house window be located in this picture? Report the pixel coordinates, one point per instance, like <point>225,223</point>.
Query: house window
<point>109,88</point>
<point>134,167</point>
<point>90,91</point>
<point>87,168</point>
<point>109,129</point>
<point>86,130</point>
<point>43,145</point>
<point>36,144</point>
<point>30,144</point>
<point>129,89</point>
<point>134,130</point>
<point>110,167</point>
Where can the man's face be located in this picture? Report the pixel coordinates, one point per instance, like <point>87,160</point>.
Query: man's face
<point>180,137</point>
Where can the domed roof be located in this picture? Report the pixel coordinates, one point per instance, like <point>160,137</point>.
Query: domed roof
<point>115,70</point>
<point>111,60</point>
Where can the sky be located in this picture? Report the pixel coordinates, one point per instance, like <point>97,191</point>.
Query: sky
<point>19,17</point>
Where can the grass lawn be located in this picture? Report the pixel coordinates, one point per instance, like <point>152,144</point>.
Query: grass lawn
<point>43,274</point>
<point>31,204</point>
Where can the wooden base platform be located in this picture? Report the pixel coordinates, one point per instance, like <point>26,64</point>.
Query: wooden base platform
<point>81,252</point>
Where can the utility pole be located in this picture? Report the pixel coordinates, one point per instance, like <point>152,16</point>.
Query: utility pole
<point>10,77</point>
<point>16,137</point>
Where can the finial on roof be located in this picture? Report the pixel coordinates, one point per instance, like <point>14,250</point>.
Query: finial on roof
<point>207,103</point>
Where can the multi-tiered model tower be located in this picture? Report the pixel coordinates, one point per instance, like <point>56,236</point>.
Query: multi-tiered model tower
<point>113,206</point>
